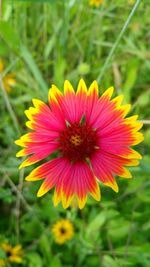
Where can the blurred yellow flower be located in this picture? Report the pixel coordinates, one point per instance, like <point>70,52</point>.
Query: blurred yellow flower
<point>1,65</point>
<point>63,231</point>
<point>8,80</point>
<point>131,2</point>
<point>2,263</point>
<point>96,3</point>
<point>14,254</point>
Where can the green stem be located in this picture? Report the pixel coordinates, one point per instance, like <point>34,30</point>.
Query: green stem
<point>105,66</point>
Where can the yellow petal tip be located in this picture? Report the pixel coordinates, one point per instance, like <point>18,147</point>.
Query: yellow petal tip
<point>113,186</point>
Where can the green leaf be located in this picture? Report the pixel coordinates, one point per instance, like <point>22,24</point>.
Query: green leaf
<point>109,261</point>
<point>94,226</point>
<point>34,259</point>
<point>132,69</point>
<point>144,99</point>
<point>6,195</point>
<point>2,254</point>
<point>45,247</point>
<point>118,229</point>
<point>26,55</point>
<point>59,69</point>
<point>9,35</point>
<point>3,49</point>
<point>55,262</point>
<point>50,44</point>
<point>29,227</point>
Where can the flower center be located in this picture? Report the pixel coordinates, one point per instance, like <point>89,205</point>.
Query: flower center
<point>78,142</point>
<point>8,253</point>
<point>62,230</point>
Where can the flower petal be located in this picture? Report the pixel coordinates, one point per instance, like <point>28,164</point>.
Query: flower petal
<point>41,151</point>
<point>58,170</point>
<point>109,92</point>
<point>80,182</point>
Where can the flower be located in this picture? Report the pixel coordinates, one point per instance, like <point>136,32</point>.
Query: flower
<point>1,65</point>
<point>131,2</point>
<point>62,231</point>
<point>8,80</point>
<point>14,254</point>
<point>90,136</point>
<point>96,3</point>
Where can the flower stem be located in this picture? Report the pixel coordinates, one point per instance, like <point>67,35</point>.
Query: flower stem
<point>145,121</point>
<point>105,66</point>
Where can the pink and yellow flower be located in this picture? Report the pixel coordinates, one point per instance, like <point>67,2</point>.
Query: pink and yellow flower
<point>92,138</point>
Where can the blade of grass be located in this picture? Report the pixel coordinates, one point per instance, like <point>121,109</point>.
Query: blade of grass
<point>100,76</point>
<point>26,55</point>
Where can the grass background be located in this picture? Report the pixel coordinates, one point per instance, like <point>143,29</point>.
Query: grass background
<point>45,42</point>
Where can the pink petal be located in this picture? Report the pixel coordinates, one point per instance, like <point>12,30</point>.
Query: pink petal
<point>54,171</point>
<point>41,151</point>
<point>80,181</point>
<point>105,165</point>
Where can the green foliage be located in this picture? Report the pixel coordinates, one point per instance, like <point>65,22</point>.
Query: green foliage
<point>45,42</point>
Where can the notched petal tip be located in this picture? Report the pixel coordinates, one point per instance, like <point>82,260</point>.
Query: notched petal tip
<point>54,94</point>
<point>21,153</point>
<point>42,190</point>
<point>138,138</point>
<point>19,142</point>
<point>68,88</point>
<point>54,89</point>
<point>125,109</point>
<point>21,166</point>
<point>126,174</point>
<point>29,178</point>
<point>82,87</point>
<point>82,202</point>
<point>93,88</point>
<point>132,118</point>
<point>31,112</point>
<point>113,186</point>
<point>96,193</point>
<point>133,154</point>
<point>29,125</point>
<point>25,163</point>
<point>66,201</point>
<point>108,93</point>
<point>37,102</point>
<point>56,198</point>
<point>16,141</point>
<point>118,100</point>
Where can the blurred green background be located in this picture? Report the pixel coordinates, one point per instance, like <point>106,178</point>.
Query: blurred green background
<point>45,42</point>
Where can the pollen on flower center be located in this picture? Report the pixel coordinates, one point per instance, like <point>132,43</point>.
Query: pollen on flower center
<point>78,142</point>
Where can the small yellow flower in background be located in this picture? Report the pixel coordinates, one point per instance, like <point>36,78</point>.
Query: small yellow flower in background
<point>14,254</point>
<point>96,3</point>
<point>2,263</point>
<point>131,2</point>
<point>63,231</point>
<point>8,80</point>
